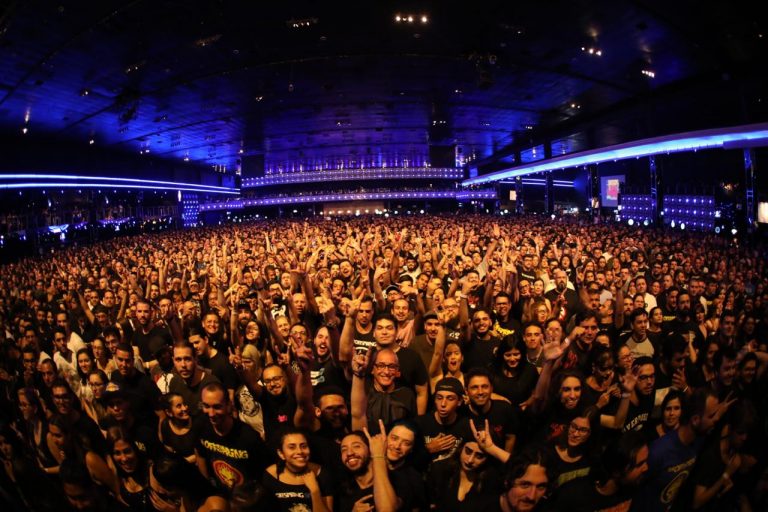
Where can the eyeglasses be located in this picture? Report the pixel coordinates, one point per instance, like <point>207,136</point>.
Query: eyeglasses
<point>273,380</point>
<point>385,366</point>
<point>579,430</point>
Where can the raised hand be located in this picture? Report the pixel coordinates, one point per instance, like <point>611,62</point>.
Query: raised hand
<point>483,437</point>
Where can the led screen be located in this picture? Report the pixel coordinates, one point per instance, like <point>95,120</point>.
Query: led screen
<point>610,187</point>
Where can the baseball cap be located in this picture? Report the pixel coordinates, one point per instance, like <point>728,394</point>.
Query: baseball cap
<point>451,384</point>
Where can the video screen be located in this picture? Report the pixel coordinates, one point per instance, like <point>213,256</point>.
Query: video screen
<point>610,187</point>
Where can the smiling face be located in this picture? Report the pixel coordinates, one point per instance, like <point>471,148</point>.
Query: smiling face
<point>399,443</point>
<point>479,389</point>
<point>355,454</point>
<point>578,431</point>
<point>570,392</point>
<point>294,451</point>
<point>124,455</point>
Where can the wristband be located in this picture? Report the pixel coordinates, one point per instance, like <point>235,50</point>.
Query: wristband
<point>359,375</point>
<point>626,395</point>
<point>378,457</point>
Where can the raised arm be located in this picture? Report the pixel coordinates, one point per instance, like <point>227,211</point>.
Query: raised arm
<point>358,398</point>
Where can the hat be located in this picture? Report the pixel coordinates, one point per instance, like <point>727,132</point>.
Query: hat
<point>391,288</point>
<point>113,391</point>
<point>451,384</point>
<point>430,314</point>
<point>243,304</point>
<point>253,294</point>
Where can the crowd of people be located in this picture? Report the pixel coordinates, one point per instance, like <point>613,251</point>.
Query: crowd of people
<point>453,362</point>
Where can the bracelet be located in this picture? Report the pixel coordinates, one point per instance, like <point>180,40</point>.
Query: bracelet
<point>462,296</point>
<point>378,457</point>
<point>359,375</point>
<point>726,476</point>
<point>626,395</point>
<point>685,390</point>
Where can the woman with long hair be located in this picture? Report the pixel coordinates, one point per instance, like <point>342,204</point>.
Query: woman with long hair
<point>85,363</point>
<point>65,442</point>
<point>514,377</point>
<point>132,470</point>
<point>602,387</point>
<point>297,483</point>
<point>446,361</point>
<point>465,482</point>
<point>94,406</point>
<point>101,355</point>
<point>671,407</point>
<point>572,452</point>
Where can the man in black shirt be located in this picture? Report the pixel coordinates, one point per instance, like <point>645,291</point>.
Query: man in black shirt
<point>188,377</point>
<point>613,483</point>
<point>211,358</point>
<point>140,389</point>
<point>444,429</point>
<point>227,449</point>
<point>502,417</point>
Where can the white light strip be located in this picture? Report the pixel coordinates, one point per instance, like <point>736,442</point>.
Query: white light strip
<point>689,141</point>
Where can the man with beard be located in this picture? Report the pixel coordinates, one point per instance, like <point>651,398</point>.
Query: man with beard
<point>211,358</point>
<point>565,301</point>
<point>483,344</point>
<point>188,378</point>
<point>500,415</point>
<point>424,344</point>
<point>613,483</point>
<point>671,458</point>
<point>141,389</point>
<point>227,449</point>
<point>444,429</point>
<point>146,330</point>
<point>367,485</point>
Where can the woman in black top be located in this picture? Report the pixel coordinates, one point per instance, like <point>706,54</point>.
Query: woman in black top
<point>571,453</point>
<point>132,471</point>
<point>296,483</point>
<point>175,430</point>
<point>465,482</point>
<point>514,377</point>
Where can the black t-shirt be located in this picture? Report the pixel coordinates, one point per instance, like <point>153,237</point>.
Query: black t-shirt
<point>191,394</point>
<point>444,490</point>
<point>295,498</point>
<point>141,340</point>
<point>519,388</point>
<point>327,373</point>
<point>639,415</point>
<point>431,429</point>
<point>348,492</point>
<point>412,370</point>
<point>143,394</point>
<point>278,412</point>
<point>480,353</point>
<point>237,457</point>
<point>220,367</point>
<point>364,341</point>
<point>503,419</point>
<point>410,487</point>
<point>581,495</point>
<point>389,407</point>
<point>564,471</point>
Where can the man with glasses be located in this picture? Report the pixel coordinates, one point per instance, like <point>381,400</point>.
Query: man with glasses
<point>380,398</point>
<point>642,398</point>
<point>64,404</point>
<point>504,324</point>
